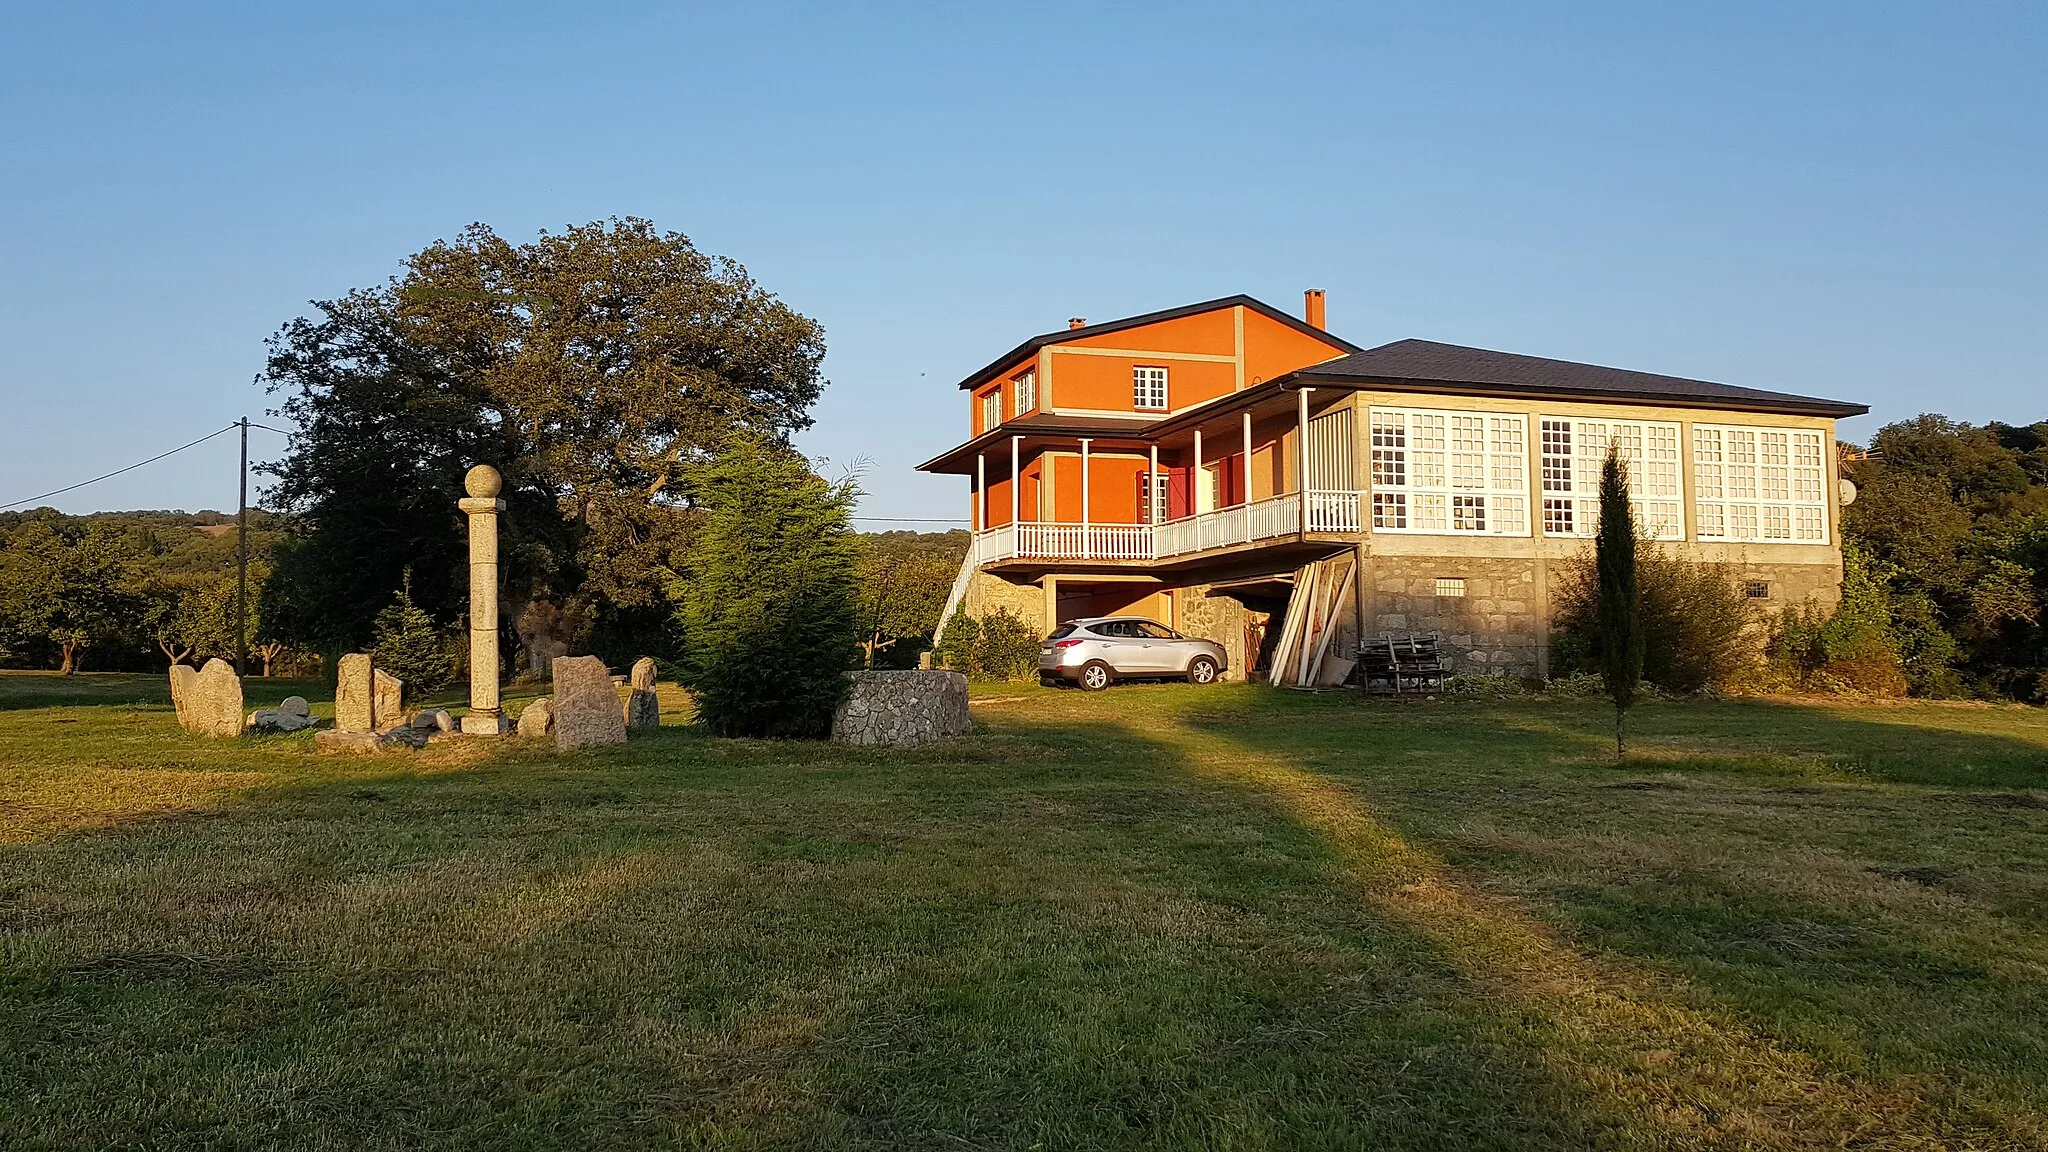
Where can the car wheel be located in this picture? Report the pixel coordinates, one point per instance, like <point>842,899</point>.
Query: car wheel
<point>1095,676</point>
<point>1201,670</point>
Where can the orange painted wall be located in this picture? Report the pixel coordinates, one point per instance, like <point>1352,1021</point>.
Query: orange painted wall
<point>1112,489</point>
<point>1214,333</point>
<point>1273,349</point>
<point>1103,383</point>
<point>1003,382</point>
<point>1110,599</point>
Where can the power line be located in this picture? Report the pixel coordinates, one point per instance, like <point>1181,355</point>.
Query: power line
<point>129,468</point>
<point>904,520</point>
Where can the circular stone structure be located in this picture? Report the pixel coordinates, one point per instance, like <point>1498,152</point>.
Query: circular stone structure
<point>483,482</point>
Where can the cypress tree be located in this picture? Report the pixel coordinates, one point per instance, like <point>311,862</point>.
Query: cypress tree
<point>768,615</point>
<point>1618,606</point>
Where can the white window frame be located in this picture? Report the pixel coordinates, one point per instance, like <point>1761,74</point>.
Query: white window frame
<point>1157,487</point>
<point>1024,392</point>
<point>1760,484</point>
<point>991,408</point>
<point>1149,388</point>
<point>1449,472</point>
<point>1572,451</point>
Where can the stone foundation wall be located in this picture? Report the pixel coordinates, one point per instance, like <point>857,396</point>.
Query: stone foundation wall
<point>1496,627</point>
<point>1217,618</point>
<point>986,593</point>
<point>1502,623</point>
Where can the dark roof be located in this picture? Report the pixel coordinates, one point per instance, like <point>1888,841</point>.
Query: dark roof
<point>1426,366</point>
<point>1030,347</point>
<point>961,457</point>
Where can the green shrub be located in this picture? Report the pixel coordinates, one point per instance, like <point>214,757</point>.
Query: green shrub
<point>957,641</point>
<point>1008,648</point>
<point>767,604</point>
<point>1469,686</point>
<point>1853,649</point>
<point>1698,631</point>
<point>411,646</point>
<point>998,646</point>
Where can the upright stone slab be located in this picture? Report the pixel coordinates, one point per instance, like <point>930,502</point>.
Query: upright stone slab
<point>182,676</point>
<point>643,707</point>
<point>387,701</point>
<point>899,709</point>
<point>586,705</point>
<point>213,706</point>
<point>352,706</point>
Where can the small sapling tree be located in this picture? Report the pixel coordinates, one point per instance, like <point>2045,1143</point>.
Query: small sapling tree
<point>1618,605</point>
<point>411,646</point>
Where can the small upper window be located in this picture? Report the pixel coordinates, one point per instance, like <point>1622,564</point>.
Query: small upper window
<point>1757,589</point>
<point>1450,585</point>
<point>1024,393</point>
<point>1148,388</point>
<point>992,409</point>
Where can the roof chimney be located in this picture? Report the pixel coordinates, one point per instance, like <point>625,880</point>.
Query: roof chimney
<point>1312,307</point>
<point>1074,322</point>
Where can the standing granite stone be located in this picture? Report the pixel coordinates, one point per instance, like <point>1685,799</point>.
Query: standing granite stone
<point>643,707</point>
<point>898,709</point>
<point>213,704</point>
<point>538,718</point>
<point>387,701</point>
<point>352,711</point>
<point>586,706</point>
<point>182,676</point>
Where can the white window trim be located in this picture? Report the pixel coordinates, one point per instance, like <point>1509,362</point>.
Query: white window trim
<point>1590,437</point>
<point>1024,392</point>
<point>991,409</point>
<point>1505,473</point>
<point>1725,505</point>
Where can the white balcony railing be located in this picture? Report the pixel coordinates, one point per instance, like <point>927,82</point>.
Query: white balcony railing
<point>1329,511</point>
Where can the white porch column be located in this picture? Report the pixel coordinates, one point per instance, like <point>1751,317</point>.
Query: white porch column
<point>1085,551</point>
<point>1301,452</point>
<point>980,492</point>
<point>1195,492</point>
<point>1152,480</point>
<point>1247,475</point>
<point>1016,481</point>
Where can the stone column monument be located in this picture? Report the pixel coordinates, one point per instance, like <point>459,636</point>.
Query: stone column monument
<point>483,484</point>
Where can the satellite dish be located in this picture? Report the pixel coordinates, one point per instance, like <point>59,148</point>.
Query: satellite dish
<point>1848,492</point>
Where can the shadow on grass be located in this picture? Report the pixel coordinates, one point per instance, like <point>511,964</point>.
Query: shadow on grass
<point>1216,925</point>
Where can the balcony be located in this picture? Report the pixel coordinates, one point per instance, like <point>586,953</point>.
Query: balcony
<point>1280,518</point>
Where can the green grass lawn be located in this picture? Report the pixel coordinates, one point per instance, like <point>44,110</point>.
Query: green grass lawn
<point>1155,917</point>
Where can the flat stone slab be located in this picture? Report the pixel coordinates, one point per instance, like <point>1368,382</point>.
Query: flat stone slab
<point>902,709</point>
<point>586,704</point>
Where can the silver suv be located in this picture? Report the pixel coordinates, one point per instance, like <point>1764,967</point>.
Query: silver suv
<point>1098,651</point>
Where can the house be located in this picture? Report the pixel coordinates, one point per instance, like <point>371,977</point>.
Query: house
<point>1191,465</point>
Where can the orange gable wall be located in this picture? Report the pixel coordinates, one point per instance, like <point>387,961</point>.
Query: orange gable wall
<point>1212,333</point>
<point>1273,349</point>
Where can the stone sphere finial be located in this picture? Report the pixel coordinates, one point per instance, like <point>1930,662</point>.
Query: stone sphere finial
<point>483,482</point>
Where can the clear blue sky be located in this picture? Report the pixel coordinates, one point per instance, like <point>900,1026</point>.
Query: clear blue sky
<point>1848,200</point>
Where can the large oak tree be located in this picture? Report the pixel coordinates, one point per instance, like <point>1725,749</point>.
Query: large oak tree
<point>590,367</point>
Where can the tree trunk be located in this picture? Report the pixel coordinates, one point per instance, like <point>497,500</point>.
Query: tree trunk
<point>1620,748</point>
<point>70,663</point>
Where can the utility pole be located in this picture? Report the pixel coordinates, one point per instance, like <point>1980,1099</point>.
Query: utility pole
<point>242,563</point>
